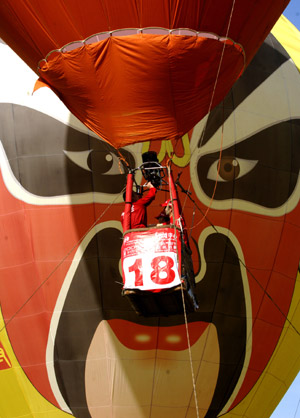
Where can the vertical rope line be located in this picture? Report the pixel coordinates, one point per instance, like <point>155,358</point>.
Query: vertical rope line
<point>184,309</point>
<point>218,171</point>
<point>217,177</point>
<point>122,158</point>
<point>193,219</point>
<point>204,214</point>
<point>218,73</point>
<point>190,351</point>
<point>210,106</point>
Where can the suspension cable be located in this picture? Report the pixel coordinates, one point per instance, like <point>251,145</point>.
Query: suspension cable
<point>59,264</point>
<point>210,106</point>
<point>217,176</point>
<point>183,303</point>
<point>204,215</point>
<point>121,158</point>
<point>247,269</point>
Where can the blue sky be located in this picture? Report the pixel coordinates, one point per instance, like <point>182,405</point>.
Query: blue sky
<point>289,407</point>
<point>292,12</point>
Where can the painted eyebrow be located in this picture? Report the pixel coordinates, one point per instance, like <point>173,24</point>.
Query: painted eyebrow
<point>252,78</point>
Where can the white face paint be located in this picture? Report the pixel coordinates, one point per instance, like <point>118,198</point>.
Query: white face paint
<point>149,382</point>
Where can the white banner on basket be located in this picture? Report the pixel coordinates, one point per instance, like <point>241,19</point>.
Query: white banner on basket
<point>149,271</point>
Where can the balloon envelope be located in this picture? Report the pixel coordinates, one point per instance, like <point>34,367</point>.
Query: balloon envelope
<point>156,79</point>
<point>72,344</point>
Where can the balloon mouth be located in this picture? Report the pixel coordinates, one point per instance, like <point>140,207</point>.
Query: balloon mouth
<point>153,30</point>
<point>143,337</point>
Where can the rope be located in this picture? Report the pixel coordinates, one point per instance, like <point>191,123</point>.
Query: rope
<point>169,160</point>
<point>184,308</point>
<point>58,265</point>
<point>209,206</point>
<point>190,351</point>
<point>193,219</point>
<point>204,215</point>
<point>218,172</point>
<point>269,296</point>
<point>174,148</point>
<point>250,273</point>
<point>218,71</point>
<point>217,177</point>
<point>209,110</point>
<point>122,158</point>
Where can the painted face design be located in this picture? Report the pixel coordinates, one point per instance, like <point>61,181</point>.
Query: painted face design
<point>251,150</point>
<point>95,357</point>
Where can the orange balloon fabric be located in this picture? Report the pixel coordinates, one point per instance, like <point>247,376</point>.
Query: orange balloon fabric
<point>141,84</point>
<point>142,87</point>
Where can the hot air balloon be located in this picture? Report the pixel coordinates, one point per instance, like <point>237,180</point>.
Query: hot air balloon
<point>137,71</point>
<point>69,343</point>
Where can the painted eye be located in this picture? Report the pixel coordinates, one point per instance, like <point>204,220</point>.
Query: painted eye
<point>231,168</point>
<point>103,162</point>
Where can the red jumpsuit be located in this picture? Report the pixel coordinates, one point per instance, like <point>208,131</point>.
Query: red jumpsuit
<point>139,211</point>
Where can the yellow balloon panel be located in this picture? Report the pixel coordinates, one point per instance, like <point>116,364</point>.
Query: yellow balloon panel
<point>289,36</point>
<point>19,396</point>
<point>282,369</point>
